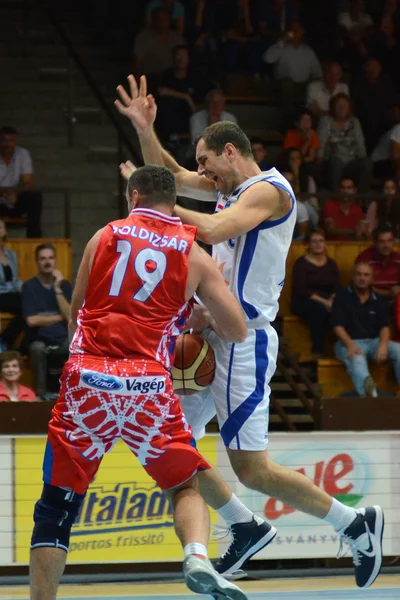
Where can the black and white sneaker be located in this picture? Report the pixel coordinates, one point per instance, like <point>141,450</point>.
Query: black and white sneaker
<point>364,537</point>
<point>247,540</point>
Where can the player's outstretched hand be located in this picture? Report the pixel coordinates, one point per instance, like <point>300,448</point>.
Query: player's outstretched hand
<point>140,108</point>
<point>126,169</point>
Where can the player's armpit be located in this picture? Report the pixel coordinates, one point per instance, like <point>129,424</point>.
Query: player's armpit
<point>257,204</point>
<point>226,312</point>
<point>82,278</point>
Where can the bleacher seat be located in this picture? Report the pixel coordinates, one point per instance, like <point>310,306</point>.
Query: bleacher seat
<point>335,381</point>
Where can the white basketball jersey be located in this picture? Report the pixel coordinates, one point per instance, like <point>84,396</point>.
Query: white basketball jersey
<point>253,265</point>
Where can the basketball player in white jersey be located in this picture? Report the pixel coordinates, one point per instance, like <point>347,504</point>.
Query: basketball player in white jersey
<point>251,232</point>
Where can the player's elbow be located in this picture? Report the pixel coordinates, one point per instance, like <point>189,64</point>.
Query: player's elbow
<point>237,333</point>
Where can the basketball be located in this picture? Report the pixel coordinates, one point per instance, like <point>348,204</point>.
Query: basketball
<point>194,365</point>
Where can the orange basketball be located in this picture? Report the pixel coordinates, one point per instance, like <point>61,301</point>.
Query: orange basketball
<point>194,365</point>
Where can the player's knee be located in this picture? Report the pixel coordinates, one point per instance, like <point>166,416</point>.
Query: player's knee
<point>54,515</point>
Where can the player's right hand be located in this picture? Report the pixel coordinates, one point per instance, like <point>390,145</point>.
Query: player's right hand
<point>140,108</point>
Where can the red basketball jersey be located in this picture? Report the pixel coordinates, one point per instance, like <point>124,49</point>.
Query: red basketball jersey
<point>135,303</point>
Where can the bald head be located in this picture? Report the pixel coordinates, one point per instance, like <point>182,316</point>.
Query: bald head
<point>362,276</point>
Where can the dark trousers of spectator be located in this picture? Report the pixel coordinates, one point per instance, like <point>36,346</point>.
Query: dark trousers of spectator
<point>359,169</point>
<point>292,93</point>
<point>29,203</point>
<point>11,302</point>
<point>317,318</point>
<point>39,357</point>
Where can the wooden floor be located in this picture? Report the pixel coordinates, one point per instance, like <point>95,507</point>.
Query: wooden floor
<point>340,588</point>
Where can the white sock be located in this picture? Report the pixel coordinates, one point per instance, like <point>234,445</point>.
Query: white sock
<point>235,512</point>
<point>195,548</point>
<point>340,516</point>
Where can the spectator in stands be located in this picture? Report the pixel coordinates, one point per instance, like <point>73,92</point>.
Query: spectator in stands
<point>315,283</point>
<point>241,45</point>
<point>214,112</point>
<point>384,261</point>
<point>176,11</point>
<point>306,139</point>
<point>374,98</point>
<point>320,93</point>
<point>296,64</point>
<point>385,46</point>
<point>303,185</point>
<point>203,34</point>
<point>176,91</point>
<point>273,18</point>
<point>10,291</point>
<point>386,210</point>
<point>260,153</point>
<point>153,47</point>
<point>17,196</point>
<point>341,218</point>
<point>11,390</point>
<point>342,146</point>
<point>360,318</point>
<point>356,27</point>
<point>46,306</point>
<point>386,155</point>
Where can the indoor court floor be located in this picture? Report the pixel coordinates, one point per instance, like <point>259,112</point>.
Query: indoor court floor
<point>338,588</point>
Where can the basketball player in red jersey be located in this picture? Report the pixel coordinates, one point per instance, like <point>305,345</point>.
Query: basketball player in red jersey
<point>132,298</point>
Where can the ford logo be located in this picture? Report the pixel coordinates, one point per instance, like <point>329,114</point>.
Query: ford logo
<point>101,381</point>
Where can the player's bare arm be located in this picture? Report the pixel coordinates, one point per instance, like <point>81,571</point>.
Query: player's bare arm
<point>82,280</point>
<point>226,313</point>
<point>262,201</point>
<point>141,109</point>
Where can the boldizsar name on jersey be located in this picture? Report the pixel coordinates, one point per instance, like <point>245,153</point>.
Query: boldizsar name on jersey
<point>155,240</point>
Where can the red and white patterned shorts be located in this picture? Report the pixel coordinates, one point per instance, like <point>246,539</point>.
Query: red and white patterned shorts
<point>103,400</point>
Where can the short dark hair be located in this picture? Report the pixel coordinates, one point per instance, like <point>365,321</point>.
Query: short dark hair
<point>176,49</point>
<point>44,247</point>
<point>303,111</point>
<point>10,355</point>
<point>348,179</point>
<point>313,232</point>
<point>385,228</point>
<point>258,140</point>
<point>8,130</point>
<point>219,134</point>
<point>156,185</point>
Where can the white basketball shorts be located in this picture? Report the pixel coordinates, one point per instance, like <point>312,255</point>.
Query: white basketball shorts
<point>239,394</point>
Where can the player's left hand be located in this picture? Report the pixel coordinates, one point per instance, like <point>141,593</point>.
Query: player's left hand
<point>139,107</point>
<point>381,355</point>
<point>127,169</point>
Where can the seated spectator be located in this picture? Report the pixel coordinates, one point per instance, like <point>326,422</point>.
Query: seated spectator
<point>360,318</point>
<point>303,184</point>
<point>214,112</point>
<point>46,306</point>
<point>386,210</point>
<point>153,47</point>
<point>386,154</point>
<point>341,218</point>
<point>320,93</point>
<point>374,98</point>
<point>176,90</point>
<point>315,283</point>
<point>296,64</point>
<point>203,34</point>
<point>17,196</point>
<point>386,48</point>
<point>260,154</point>
<point>384,261</point>
<point>176,11</point>
<point>342,146</point>
<point>10,291</point>
<point>10,373</point>
<point>273,18</point>
<point>240,45</point>
<point>305,138</point>
<point>356,27</point>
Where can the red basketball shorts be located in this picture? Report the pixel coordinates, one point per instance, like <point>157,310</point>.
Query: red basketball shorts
<point>103,400</point>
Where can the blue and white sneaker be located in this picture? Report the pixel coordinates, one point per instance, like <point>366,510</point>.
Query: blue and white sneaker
<point>364,537</point>
<point>247,540</point>
<point>201,578</point>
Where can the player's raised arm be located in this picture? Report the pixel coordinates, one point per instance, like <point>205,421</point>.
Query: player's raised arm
<point>141,109</point>
<point>257,204</point>
<point>82,280</point>
<point>227,315</point>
